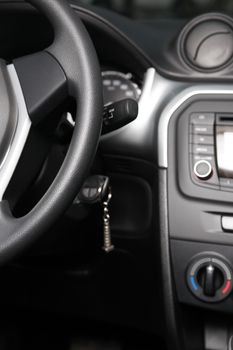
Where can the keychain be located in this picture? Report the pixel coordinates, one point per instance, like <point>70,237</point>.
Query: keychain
<point>96,189</point>
<point>108,246</point>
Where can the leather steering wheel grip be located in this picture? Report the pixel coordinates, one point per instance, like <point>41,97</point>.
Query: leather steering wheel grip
<point>73,50</point>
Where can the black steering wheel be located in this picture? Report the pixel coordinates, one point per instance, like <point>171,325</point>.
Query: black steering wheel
<point>31,87</point>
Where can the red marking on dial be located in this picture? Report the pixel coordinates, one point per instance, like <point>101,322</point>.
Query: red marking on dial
<point>227,286</point>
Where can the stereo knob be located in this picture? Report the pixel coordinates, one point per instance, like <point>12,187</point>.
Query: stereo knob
<point>203,169</point>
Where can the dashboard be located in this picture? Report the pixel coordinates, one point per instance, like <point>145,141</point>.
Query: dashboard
<point>184,128</point>
<point>171,174</point>
<point>119,86</point>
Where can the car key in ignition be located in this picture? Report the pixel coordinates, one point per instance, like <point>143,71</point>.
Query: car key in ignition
<point>96,189</point>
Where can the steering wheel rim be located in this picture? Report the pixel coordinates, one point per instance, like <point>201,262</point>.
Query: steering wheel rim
<point>73,50</point>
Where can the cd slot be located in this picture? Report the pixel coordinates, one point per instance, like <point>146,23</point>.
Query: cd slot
<point>224,119</point>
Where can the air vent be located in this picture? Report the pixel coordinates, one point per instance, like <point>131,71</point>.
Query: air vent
<point>207,42</point>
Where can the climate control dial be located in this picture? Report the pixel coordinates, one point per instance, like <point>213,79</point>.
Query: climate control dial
<point>210,278</point>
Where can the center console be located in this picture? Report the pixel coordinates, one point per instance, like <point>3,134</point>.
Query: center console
<point>200,204</point>
<point>195,158</point>
<point>200,199</point>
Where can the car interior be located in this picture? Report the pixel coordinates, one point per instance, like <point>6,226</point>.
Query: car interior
<point>116,174</point>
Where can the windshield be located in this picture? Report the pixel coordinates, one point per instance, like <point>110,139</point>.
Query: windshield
<point>143,9</point>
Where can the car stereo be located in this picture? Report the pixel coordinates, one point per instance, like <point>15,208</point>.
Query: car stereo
<point>211,149</point>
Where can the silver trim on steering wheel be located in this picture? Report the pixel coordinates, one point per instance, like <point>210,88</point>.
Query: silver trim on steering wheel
<point>20,136</point>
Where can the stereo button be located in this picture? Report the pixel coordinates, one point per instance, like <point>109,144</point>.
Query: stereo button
<point>202,139</point>
<point>197,157</point>
<point>227,223</point>
<point>202,118</point>
<point>203,129</point>
<point>226,184</point>
<point>203,149</point>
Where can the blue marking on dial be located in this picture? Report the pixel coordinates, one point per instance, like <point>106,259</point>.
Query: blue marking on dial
<point>193,282</point>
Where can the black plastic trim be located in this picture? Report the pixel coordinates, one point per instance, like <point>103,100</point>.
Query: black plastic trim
<point>172,326</point>
<point>43,82</point>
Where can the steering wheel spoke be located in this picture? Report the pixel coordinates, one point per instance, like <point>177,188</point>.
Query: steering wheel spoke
<point>43,83</point>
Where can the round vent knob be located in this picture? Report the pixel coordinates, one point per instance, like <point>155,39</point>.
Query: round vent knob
<point>208,44</point>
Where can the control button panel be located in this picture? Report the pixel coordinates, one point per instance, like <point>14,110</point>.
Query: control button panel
<point>211,150</point>
<point>202,149</point>
<point>210,278</point>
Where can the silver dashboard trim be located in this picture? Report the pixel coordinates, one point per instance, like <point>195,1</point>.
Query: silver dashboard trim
<point>20,136</point>
<point>174,105</point>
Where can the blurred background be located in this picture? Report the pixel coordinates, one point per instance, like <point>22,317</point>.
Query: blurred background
<point>143,9</point>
